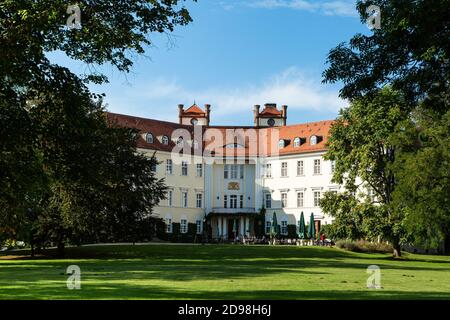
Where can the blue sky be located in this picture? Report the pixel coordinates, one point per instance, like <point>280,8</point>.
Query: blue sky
<point>236,54</point>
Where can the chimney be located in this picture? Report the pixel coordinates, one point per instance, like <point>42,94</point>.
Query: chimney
<point>256,114</point>
<point>180,112</point>
<point>284,114</point>
<point>208,113</point>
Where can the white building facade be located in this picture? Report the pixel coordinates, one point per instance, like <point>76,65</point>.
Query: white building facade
<point>225,175</point>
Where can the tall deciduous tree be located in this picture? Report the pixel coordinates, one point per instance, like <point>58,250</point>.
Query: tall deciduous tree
<point>423,170</point>
<point>361,144</point>
<point>411,53</point>
<point>59,156</point>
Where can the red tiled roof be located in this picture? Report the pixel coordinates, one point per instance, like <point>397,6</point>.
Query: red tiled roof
<point>194,110</point>
<point>156,127</point>
<point>270,111</point>
<point>252,145</point>
<point>305,130</point>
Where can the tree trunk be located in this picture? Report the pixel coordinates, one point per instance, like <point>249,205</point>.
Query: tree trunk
<point>397,249</point>
<point>60,250</point>
<point>447,244</point>
<point>32,249</point>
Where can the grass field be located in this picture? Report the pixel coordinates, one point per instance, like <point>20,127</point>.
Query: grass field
<point>224,272</point>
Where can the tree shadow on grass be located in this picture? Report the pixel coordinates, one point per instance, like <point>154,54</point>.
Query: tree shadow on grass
<point>183,263</point>
<point>124,291</point>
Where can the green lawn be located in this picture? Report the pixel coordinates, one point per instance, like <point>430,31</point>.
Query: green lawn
<point>224,272</point>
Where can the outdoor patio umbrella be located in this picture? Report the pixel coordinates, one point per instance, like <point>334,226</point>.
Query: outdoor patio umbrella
<point>312,227</point>
<point>302,227</point>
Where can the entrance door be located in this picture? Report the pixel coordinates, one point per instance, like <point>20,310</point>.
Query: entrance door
<point>231,234</point>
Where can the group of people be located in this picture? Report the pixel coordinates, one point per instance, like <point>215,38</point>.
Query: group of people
<point>267,240</point>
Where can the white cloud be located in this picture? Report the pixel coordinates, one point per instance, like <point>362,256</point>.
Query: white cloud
<point>290,87</point>
<point>344,8</point>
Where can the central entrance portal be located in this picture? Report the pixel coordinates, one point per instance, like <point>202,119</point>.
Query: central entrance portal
<point>233,228</point>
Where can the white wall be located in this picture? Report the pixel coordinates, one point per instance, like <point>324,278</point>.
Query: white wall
<point>307,183</point>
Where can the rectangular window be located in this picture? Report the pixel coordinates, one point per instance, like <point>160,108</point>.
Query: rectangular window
<point>241,201</point>
<point>268,170</point>
<point>169,225</point>
<point>233,202</point>
<point>170,198</point>
<point>183,226</point>
<point>284,200</point>
<point>184,168</point>
<point>225,201</point>
<point>199,200</point>
<point>284,228</point>
<point>268,201</point>
<point>284,169</point>
<point>300,171</point>
<point>184,199</point>
<point>169,166</point>
<point>299,199</point>
<point>316,198</point>
<point>199,170</point>
<point>268,225</point>
<point>233,171</point>
<point>317,169</point>
<point>226,170</point>
<point>199,226</point>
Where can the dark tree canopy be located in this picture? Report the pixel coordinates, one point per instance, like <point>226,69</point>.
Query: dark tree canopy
<point>411,52</point>
<point>65,172</point>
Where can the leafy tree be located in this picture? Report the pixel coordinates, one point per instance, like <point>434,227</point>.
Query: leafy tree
<point>424,178</point>
<point>60,160</point>
<point>410,52</point>
<point>361,145</point>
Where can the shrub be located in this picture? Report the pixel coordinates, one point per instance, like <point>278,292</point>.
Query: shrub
<point>292,231</point>
<point>175,235</point>
<point>364,246</point>
<point>161,228</point>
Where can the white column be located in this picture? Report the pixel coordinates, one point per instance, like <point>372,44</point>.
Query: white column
<point>225,228</point>
<point>219,219</point>
<point>242,232</point>
<point>247,226</point>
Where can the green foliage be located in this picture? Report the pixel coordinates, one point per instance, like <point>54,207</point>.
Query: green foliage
<point>68,175</point>
<point>364,246</point>
<point>363,149</point>
<point>292,231</point>
<point>410,51</point>
<point>424,178</point>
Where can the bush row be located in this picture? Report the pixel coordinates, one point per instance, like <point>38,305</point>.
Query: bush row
<point>364,246</point>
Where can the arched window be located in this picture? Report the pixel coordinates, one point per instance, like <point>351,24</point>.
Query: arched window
<point>281,144</point>
<point>149,138</point>
<point>180,142</point>
<point>297,142</point>
<point>165,140</point>
<point>313,140</point>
